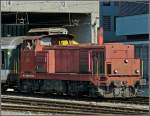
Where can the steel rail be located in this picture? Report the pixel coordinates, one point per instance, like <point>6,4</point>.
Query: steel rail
<point>70,110</point>
<point>134,100</point>
<point>57,107</point>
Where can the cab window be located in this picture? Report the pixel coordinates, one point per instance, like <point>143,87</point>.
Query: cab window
<point>28,44</point>
<point>46,41</point>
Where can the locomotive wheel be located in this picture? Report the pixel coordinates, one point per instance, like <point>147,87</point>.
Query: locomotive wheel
<point>124,92</point>
<point>3,87</point>
<point>92,92</point>
<point>26,86</point>
<point>116,92</point>
<point>132,91</point>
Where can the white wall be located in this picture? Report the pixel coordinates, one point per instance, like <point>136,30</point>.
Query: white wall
<point>91,7</point>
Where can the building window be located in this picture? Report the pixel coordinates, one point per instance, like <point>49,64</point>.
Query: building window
<point>114,23</point>
<point>116,3</point>
<point>107,23</point>
<point>106,3</point>
<point>3,59</point>
<point>138,37</point>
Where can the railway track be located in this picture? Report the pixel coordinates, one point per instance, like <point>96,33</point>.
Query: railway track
<point>64,106</point>
<point>134,100</point>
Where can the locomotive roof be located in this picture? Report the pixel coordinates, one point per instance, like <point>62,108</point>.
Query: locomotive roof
<point>12,42</point>
<point>50,30</point>
<point>62,36</point>
<point>69,36</point>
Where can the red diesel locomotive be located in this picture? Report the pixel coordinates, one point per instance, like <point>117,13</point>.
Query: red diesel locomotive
<point>108,70</point>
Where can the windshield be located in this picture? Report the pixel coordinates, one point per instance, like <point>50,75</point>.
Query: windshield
<point>57,40</point>
<point>46,41</point>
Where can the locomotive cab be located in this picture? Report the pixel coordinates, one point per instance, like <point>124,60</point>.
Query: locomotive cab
<point>59,40</point>
<point>27,58</point>
<point>55,36</point>
<point>39,42</point>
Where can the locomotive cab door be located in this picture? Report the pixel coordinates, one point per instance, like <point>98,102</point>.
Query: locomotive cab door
<point>97,62</point>
<point>27,59</point>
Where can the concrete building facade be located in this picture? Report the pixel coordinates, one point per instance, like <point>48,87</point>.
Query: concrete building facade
<point>121,19</point>
<point>80,17</point>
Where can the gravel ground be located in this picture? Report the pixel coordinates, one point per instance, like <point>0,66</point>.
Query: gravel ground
<point>10,113</point>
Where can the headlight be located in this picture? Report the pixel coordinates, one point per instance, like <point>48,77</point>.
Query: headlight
<point>137,71</point>
<point>125,61</point>
<point>115,71</point>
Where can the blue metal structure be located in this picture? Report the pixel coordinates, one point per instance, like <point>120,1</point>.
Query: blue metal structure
<point>132,25</point>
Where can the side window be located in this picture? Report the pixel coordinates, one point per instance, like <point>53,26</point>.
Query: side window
<point>107,23</point>
<point>108,68</point>
<point>28,44</point>
<point>46,41</point>
<point>106,3</point>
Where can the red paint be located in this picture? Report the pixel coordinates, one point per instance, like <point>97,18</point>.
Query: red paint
<point>27,62</point>
<point>65,62</point>
<point>89,64</point>
<point>100,36</point>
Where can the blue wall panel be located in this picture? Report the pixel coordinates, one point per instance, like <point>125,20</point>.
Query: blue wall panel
<point>132,25</point>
